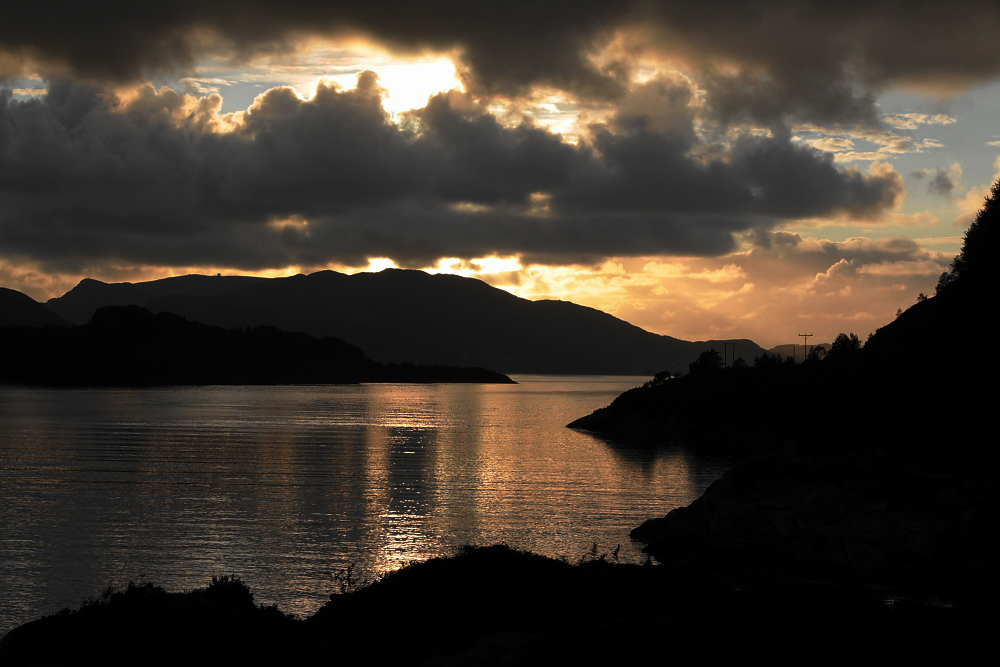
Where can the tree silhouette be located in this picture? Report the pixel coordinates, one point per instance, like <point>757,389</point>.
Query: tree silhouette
<point>769,360</point>
<point>978,248</point>
<point>846,343</point>
<point>708,361</point>
<point>816,354</point>
<point>845,346</point>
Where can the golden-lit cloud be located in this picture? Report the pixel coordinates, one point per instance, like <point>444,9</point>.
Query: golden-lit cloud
<point>293,222</point>
<point>969,204</point>
<point>688,171</point>
<point>204,86</point>
<point>913,120</point>
<point>763,292</point>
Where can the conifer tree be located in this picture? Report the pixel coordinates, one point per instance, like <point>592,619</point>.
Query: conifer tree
<point>973,262</point>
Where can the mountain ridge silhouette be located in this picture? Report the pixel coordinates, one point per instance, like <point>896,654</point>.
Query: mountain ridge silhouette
<point>400,315</point>
<point>17,309</point>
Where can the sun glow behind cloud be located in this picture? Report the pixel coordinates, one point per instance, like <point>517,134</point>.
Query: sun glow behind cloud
<point>477,268</point>
<point>666,100</point>
<point>409,80</point>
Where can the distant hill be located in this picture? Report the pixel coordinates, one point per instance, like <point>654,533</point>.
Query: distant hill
<point>79,304</point>
<point>401,315</point>
<point>130,346</point>
<point>790,350</point>
<point>20,310</point>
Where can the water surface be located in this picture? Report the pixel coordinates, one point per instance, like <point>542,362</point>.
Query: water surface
<point>286,485</point>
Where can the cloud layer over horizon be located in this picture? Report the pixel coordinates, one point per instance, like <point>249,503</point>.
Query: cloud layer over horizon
<point>84,173</point>
<point>703,131</point>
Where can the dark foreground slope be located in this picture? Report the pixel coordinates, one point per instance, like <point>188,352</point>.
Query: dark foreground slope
<point>398,315</point>
<point>867,470</point>
<point>130,346</point>
<point>875,466</point>
<point>496,606</point>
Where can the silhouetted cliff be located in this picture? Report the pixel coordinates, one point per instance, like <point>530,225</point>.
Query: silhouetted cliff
<point>398,316</point>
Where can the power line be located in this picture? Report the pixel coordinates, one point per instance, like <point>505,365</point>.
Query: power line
<point>805,346</point>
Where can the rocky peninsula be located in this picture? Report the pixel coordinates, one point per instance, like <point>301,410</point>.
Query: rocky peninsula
<point>872,467</point>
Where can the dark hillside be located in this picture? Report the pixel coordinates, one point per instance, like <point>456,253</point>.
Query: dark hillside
<point>20,310</point>
<point>398,315</point>
<point>79,304</point>
<point>875,465</point>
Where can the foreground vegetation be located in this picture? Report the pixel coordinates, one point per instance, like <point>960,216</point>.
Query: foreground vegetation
<point>498,606</point>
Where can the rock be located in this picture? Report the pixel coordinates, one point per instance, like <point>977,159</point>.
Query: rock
<point>838,517</point>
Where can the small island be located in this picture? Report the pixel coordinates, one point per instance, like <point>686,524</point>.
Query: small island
<point>131,346</point>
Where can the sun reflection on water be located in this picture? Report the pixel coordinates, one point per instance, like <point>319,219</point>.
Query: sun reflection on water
<point>284,485</point>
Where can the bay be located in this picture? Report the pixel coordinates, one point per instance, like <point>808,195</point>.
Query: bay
<point>287,486</point>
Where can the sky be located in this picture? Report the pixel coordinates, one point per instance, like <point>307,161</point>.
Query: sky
<point>703,170</point>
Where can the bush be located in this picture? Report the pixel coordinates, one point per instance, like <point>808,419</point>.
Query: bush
<point>229,588</point>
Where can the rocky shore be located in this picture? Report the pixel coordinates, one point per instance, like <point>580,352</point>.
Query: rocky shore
<point>873,467</point>
<point>845,519</point>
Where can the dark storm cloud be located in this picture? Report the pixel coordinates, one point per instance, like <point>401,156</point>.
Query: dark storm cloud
<point>763,176</point>
<point>650,162</point>
<point>88,177</point>
<point>507,47</point>
<point>771,100</point>
<point>416,236</point>
<point>821,61</point>
<point>766,61</point>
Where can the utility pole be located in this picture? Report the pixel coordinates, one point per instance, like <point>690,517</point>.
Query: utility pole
<point>805,346</point>
<point>726,348</point>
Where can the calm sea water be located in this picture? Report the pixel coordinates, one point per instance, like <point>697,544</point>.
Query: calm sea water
<point>285,485</point>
